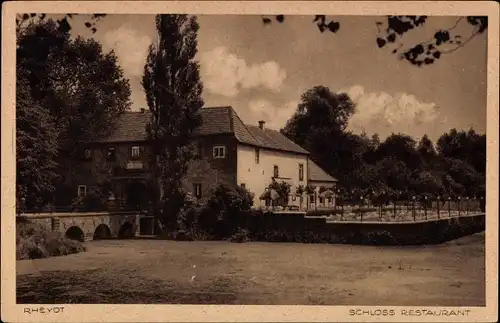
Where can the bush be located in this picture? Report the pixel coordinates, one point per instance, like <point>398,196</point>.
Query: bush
<point>240,235</point>
<point>36,241</point>
<point>222,212</point>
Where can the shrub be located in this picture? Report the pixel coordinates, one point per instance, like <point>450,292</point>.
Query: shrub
<point>222,212</point>
<point>36,241</point>
<point>188,216</point>
<point>240,235</point>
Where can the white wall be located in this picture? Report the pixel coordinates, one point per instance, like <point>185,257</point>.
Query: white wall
<point>257,177</point>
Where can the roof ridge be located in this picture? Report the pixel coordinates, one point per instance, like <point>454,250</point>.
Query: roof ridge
<point>272,139</point>
<point>244,125</point>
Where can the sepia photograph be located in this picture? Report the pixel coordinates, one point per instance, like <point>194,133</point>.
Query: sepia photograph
<point>189,158</point>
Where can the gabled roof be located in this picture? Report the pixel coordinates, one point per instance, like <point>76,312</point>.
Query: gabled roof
<point>215,120</point>
<point>272,139</point>
<point>316,174</point>
<point>131,126</point>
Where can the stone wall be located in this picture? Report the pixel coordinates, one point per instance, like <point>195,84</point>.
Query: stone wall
<point>298,228</point>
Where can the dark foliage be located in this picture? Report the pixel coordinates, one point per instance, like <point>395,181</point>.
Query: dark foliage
<point>173,92</point>
<point>68,92</point>
<point>34,241</point>
<point>398,166</point>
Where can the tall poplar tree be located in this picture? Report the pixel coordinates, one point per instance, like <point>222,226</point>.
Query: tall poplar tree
<point>173,92</point>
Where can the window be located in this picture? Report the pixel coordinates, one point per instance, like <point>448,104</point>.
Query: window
<point>135,151</point>
<point>198,149</point>
<point>197,190</point>
<point>87,153</point>
<point>243,185</point>
<point>219,152</point>
<point>111,154</point>
<point>257,155</point>
<point>82,191</point>
<point>276,171</point>
<point>301,172</point>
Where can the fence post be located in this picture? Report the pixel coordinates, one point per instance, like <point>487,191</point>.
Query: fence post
<point>438,201</point>
<point>413,208</point>
<point>394,209</point>
<point>449,207</point>
<point>458,205</point>
<point>361,213</point>
<point>467,206</point>
<point>425,206</point>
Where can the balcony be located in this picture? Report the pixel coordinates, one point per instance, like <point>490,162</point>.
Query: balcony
<point>132,169</point>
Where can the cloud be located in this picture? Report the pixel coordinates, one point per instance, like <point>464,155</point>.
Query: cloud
<point>131,48</point>
<point>275,116</point>
<point>226,74</point>
<point>382,113</point>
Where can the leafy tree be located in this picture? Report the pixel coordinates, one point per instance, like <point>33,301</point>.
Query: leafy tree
<point>82,89</point>
<point>403,148</point>
<point>300,190</point>
<point>173,92</point>
<point>283,189</point>
<point>63,24</point>
<point>426,182</point>
<point>466,146</point>
<point>465,175</point>
<point>394,173</point>
<point>426,150</point>
<point>320,121</point>
<point>36,147</point>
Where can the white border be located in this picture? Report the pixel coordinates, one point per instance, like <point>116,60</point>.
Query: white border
<point>197,313</point>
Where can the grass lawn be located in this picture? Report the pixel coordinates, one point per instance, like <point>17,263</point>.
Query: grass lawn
<point>155,271</point>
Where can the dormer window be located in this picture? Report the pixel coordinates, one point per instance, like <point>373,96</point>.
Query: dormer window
<point>135,151</point>
<point>219,152</point>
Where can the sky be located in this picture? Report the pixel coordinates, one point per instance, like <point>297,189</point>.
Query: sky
<point>262,70</point>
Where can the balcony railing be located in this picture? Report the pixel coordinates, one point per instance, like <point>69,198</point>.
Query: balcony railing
<point>131,168</point>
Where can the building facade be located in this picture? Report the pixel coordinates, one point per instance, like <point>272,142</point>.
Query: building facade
<point>226,151</point>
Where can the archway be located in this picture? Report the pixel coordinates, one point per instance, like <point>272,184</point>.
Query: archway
<point>126,230</point>
<point>136,194</point>
<point>75,233</point>
<point>102,232</point>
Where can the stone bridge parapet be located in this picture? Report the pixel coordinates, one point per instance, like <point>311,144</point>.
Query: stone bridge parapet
<point>88,226</point>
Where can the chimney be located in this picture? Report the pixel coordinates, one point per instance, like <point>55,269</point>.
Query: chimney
<point>261,124</point>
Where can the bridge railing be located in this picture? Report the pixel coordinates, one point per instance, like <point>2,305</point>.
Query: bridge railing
<point>79,209</point>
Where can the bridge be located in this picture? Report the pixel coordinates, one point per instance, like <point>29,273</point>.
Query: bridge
<point>91,225</point>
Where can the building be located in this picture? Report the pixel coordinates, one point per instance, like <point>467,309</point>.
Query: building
<point>227,151</point>
<point>324,187</point>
